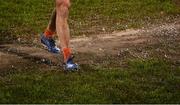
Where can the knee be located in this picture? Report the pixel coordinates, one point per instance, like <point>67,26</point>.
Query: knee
<point>62,8</point>
<point>64,3</point>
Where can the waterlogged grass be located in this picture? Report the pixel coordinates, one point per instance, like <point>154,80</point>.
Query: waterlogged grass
<point>144,81</point>
<point>27,18</point>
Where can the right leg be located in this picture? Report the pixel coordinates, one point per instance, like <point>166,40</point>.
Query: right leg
<point>46,37</point>
<point>51,28</point>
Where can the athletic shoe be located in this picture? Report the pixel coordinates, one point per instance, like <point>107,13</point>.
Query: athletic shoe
<point>50,44</point>
<point>70,65</point>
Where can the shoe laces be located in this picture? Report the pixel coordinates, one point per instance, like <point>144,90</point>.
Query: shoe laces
<point>52,42</point>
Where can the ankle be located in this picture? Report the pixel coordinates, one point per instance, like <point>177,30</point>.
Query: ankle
<point>48,33</point>
<point>67,54</point>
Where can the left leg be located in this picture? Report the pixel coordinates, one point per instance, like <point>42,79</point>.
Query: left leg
<point>62,28</point>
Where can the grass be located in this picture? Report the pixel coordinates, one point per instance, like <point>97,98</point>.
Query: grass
<point>140,81</point>
<point>144,81</point>
<point>25,19</point>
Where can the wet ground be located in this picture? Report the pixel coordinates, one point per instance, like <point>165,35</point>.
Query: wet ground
<point>163,40</point>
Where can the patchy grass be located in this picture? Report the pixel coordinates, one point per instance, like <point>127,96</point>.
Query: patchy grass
<point>112,15</point>
<point>28,18</point>
<point>140,81</point>
<point>23,18</point>
<point>144,81</point>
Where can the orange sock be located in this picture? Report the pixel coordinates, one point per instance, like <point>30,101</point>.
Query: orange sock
<point>67,53</point>
<point>48,33</point>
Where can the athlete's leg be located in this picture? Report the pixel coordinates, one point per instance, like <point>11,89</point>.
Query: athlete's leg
<point>62,29</point>
<point>52,22</point>
<point>51,28</point>
<point>46,36</point>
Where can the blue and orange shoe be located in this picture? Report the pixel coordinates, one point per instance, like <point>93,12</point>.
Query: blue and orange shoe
<point>50,44</point>
<point>70,65</point>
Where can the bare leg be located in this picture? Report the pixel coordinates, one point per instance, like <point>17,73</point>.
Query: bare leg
<point>52,23</point>
<point>46,37</point>
<point>51,28</point>
<point>62,28</point>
